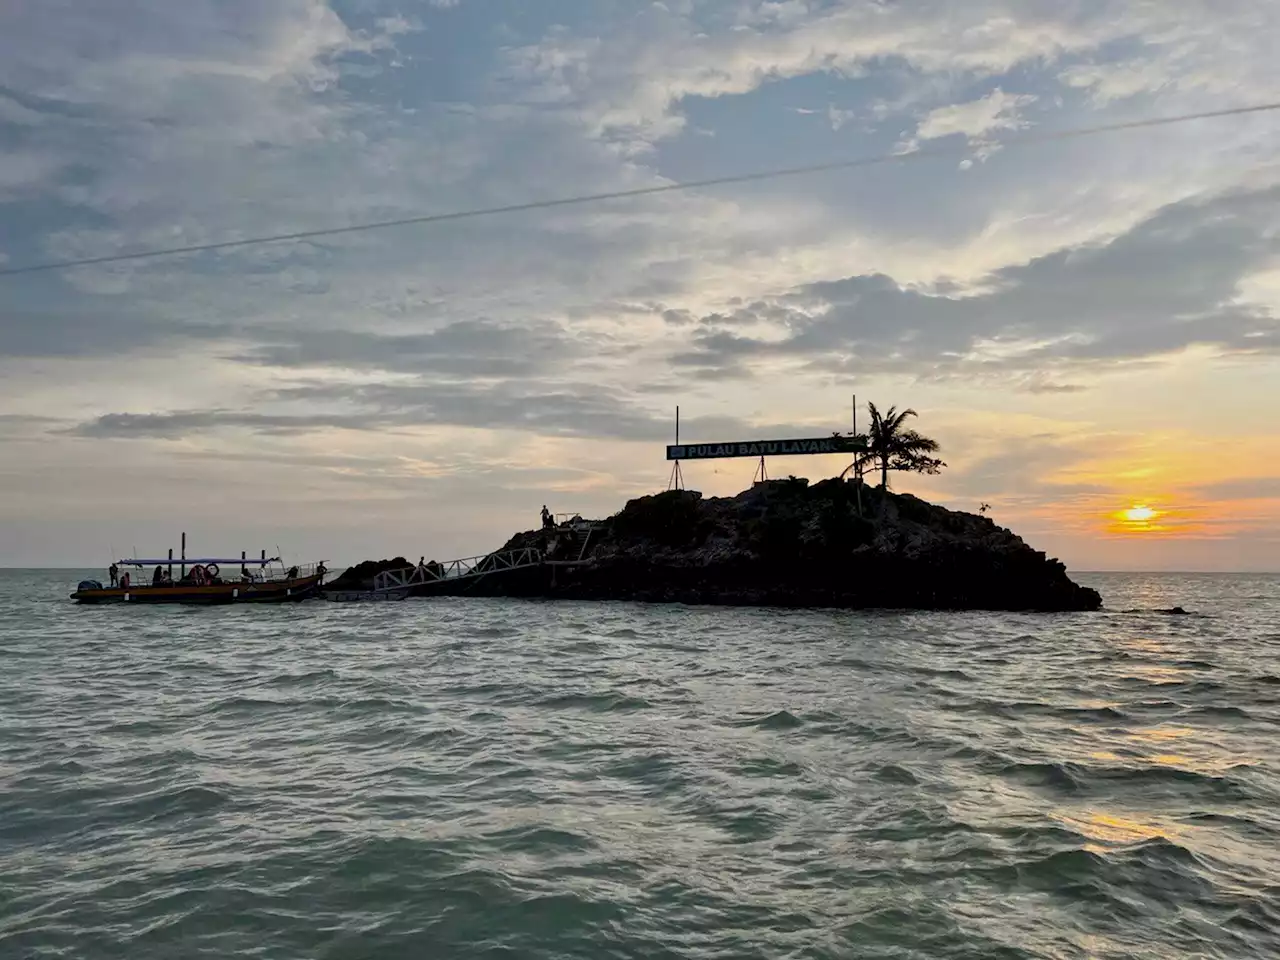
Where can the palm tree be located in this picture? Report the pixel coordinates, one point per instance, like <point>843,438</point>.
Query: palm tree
<point>893,448</point>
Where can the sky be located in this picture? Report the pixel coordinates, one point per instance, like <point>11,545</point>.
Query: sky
<point>1086,325</point>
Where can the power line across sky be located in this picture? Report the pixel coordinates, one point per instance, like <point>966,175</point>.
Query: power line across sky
<point>923,153</point>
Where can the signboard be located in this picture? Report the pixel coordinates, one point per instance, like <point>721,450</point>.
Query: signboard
<point>765,448</point>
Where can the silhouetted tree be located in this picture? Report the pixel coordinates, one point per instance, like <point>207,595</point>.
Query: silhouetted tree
<point>891,447</point>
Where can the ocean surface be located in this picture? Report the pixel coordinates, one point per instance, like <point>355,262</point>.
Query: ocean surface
<point>506,779</point>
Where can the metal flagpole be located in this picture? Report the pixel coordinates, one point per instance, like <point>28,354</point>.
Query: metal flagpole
<point>857,464</point>
<point>677,475</point>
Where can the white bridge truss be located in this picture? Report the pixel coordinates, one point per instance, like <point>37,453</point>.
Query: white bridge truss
<point>391,581</point>
<point>566,546</point>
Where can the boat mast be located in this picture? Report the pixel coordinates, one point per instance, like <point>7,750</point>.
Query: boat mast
<point>184,555</point>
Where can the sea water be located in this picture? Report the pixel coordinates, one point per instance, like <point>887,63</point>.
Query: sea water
<point>507,779</point>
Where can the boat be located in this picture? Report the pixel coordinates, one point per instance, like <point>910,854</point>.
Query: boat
<point>205,580</point>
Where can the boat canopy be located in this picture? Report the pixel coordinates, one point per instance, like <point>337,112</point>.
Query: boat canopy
<point>201,561</point>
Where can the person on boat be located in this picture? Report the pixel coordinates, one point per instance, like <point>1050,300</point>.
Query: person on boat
<point>547,520</point>
<point>124,580</point>
<point>114,572</point>
<point>157,579</point>
<point>244,574</point>
<point>293,573</point>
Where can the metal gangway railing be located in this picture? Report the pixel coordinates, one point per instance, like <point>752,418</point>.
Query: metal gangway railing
<point>395,581</point>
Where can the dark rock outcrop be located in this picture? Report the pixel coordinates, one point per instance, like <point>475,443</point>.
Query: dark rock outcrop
<point>786,543</point>
<point>360,577</point>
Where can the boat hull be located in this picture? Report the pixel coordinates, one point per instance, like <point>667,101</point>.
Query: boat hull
<point>274,591</point>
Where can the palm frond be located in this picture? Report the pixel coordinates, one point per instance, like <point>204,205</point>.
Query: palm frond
<point>876,419</point>
<point>895,418</point>
<point>911,441</point>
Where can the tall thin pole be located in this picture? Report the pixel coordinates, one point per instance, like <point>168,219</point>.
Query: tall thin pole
<point>171,563</point>
<point>183,568</point>
<point>677,475</point>
<point>857,465</point>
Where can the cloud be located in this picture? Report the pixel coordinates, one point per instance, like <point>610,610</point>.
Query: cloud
<point>12,111</point>
<point>24,170</point>
<point>184,423</point>
<point>139,103</point>
<point>1021,468</point>
<point>1038,383</point>
<point>75,57</point>
<point>1169,283</point>
<point>21,426</point>
<point>397,24</point>
<point>630,83</point>
<point>572,410</point>
<point>976,118</point>
<point>108,331</point>
<point>566,410</point>
<point>462,349</point>
<point>838,118</point>
<point>1245,488</point>
<point>1202,52</point>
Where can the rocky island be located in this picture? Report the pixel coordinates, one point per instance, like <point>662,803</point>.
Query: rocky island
<point>836,543</point>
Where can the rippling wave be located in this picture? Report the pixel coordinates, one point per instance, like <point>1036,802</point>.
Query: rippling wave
<point>500,779</point>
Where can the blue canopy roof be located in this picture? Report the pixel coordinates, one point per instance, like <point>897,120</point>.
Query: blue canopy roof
<point>202,561</point>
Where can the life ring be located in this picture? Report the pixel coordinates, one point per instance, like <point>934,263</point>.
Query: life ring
<point>212,570</point>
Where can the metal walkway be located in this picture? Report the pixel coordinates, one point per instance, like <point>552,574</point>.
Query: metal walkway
<point>395,581</point>
<point>566,546</point>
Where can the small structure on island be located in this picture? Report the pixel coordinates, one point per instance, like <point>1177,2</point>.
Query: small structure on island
<point>795,446</point>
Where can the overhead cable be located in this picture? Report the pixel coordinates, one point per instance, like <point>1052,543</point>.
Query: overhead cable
<point>931,151</point>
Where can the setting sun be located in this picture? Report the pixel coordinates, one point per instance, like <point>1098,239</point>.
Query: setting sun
<point>1140,518</point>
<point>1140,513</point>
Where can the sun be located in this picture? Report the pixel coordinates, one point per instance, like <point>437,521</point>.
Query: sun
<point>1148,519</point>
<point>1140,513</point>
<point>1139,518</point>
